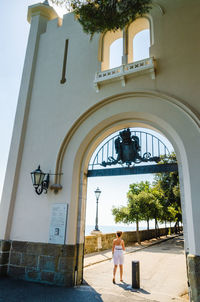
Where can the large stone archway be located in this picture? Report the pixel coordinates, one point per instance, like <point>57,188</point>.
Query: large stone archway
<point>165,114</point>
<point>59,124</point>
<point>134,109</point>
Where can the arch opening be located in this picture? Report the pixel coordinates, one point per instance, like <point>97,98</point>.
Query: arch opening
<point>146,136</point>
<point>109,192</point>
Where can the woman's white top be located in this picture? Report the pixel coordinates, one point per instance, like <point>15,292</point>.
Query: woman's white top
<point>118,256</point>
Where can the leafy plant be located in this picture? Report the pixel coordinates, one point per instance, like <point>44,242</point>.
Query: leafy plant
<point>160,202</point>
<point>99,16</point>
<point>136,209</point>
<point>168,186</point>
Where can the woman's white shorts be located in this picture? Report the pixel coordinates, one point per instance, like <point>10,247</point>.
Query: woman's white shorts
<point>118,257</point>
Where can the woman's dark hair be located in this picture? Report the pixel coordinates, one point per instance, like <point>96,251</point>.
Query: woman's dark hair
<point>119,233</point>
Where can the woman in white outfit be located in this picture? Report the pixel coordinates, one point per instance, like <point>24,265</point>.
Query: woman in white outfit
<point>118,249</point>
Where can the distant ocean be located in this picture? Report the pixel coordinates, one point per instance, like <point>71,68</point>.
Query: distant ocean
<point>106,229</point>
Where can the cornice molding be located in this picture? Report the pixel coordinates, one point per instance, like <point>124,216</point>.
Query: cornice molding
<point>41,10</point>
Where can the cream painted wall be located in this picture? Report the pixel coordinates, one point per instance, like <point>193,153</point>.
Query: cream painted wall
<point>163,103</point>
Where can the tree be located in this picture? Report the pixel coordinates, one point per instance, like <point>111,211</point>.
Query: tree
<point>136,188</point>
<point>160,202</point>
<point>121,214</point>
<point>99,16</point>
<point>167,184</point>
<point>145,200</point>
<point>136,209</point>
<point>156,207</point>
<point>129,214</point>
<point>172,214</point>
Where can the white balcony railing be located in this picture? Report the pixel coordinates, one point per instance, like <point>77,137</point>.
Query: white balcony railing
<point>124,71</point>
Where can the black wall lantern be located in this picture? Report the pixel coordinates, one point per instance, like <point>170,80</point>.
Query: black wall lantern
<point>40,181</point>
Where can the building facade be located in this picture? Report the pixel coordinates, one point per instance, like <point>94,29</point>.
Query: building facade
<point>69,101</point>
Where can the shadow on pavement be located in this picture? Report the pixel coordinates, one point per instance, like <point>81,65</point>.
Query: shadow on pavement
<point>128,287</point>
<point>12,290</point>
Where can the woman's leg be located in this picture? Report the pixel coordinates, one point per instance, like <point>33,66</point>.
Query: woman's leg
<point>114,272</point>
<point>121,271</point>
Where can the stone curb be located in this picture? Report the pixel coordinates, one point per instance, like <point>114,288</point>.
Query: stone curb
<point>137,250</point>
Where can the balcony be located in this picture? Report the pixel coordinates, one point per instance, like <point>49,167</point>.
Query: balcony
<point>123,72</point>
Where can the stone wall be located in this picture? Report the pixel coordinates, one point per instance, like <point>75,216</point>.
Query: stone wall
<point>193,270</point>
<point>41,262</point>
<point>100,242</point>
<point>57,264</point>
<point>4,256</point>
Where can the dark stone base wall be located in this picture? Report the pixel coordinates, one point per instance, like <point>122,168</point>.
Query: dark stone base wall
<point>80,259</point>
<point>193,271</point>
<point>4,256</point>
<point>41,262</point>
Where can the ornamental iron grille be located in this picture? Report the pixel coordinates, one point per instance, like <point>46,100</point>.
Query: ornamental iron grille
<point>126,150</point>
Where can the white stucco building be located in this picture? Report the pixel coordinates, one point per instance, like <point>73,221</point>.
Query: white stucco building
<point>69,102</point>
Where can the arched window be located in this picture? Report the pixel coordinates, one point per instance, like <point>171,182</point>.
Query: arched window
<point>141,44</point>
<point>111,50</point>
<point>131,45</point>
<point>138,40</point>
<point>116,52</point>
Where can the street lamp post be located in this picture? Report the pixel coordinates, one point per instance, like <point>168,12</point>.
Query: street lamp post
<point>97,194</point>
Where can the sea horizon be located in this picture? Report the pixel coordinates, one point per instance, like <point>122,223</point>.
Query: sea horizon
<point>106,229</point>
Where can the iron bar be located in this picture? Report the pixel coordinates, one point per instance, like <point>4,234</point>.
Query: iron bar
<point>148,169</point>
<point>113,147</point>
<point>159,148</point>
<point>146,143</point>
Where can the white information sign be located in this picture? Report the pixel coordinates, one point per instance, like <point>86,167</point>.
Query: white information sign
<point>58,223</point>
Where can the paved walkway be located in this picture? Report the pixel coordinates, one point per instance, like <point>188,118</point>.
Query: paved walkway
<point>163,279</point>
<point>162,273</point>
<point>106,255</point>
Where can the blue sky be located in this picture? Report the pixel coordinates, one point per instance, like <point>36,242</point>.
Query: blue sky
<point>14,36</point>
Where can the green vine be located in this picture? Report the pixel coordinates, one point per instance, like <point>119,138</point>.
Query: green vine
<point>99,16</point>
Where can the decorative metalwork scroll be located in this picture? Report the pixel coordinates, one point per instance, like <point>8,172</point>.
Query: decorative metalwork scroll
<point>127,147</point>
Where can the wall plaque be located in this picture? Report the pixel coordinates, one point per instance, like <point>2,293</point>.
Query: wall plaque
<point>58,224</point>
